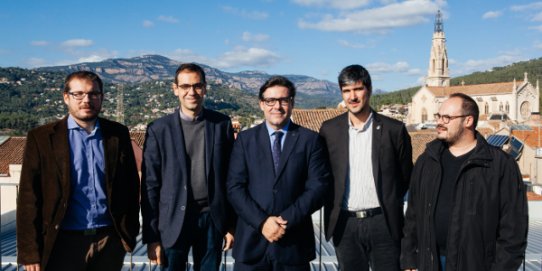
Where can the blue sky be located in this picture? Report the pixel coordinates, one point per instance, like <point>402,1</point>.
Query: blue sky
<point>391,38</point>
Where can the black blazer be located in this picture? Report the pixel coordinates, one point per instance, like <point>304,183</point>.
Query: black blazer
<point>165,176</point>
<point>45,188</point>
<point>392,165</point>
<point>256,193</point>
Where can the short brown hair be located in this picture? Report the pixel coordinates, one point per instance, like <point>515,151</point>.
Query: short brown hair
<point>84,75</point>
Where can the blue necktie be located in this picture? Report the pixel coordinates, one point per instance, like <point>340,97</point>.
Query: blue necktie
<point>277,149</point>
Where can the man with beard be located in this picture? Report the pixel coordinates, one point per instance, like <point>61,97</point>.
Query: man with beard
<point>467,207</point>
<point>185,166</point>
<point>371,161</point>
<point>78,203</point>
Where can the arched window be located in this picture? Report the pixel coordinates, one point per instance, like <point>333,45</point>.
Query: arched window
<point>500,107</point>
<point>507,108</point>
<point>424,115</point>
<point>486,108</point>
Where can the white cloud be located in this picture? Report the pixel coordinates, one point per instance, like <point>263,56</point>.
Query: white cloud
<point>239,57</point>
<point>168,19</point>
<point>247,36</point>
<point>348,44</point>
<point>378,19</point>
<point>148,23</point>
<point>186,55</point>
<point>538,45</point>
<point>35,62</point>
<point>527,7</point>
<point>39,43</point>
<point>473,65</point>
<point>248,14</point>
<point>537,28</point>
<point>381,67</point>
<point>243,57</point>
<point>337,4</point>
<point>537,17</point>
<point>77,43</point>
<point>492,14</point>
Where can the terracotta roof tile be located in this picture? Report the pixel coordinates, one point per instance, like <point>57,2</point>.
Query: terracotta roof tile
<point>480,89</point>
<point>138,137</point>
<point>533,138</point>
<point>11,152</point>
<point>313,118</point>
<point>534,196</point>
<point>419,140</point>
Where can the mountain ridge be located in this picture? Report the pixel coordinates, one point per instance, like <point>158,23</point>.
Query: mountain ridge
<point>156,67</point>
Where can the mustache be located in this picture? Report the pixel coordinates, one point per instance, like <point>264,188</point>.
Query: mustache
<point>441,126</point>
<point>355,100</point>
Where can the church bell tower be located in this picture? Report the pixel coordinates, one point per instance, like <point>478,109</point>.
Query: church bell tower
<point>437,75</point>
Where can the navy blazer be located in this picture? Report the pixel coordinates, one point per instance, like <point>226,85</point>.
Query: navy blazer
<point>294,193</point>
<point>165,177</point>
<point>392,164</point>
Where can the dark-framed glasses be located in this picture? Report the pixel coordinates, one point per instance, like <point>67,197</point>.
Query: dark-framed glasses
<point>447,118</point>
<point>272,101</point>
<point>197,86</point>
<point>79,95</point>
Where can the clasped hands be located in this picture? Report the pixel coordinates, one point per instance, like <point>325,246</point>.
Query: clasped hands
<point>274,228</point>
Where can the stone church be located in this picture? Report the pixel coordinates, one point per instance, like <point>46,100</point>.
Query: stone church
<point>515,100</point>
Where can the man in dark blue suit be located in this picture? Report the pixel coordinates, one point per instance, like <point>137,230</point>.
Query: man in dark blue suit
<point>185,163</point>
<point>278,177</point>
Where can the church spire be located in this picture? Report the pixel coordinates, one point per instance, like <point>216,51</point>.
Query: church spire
<point>437,75</point>
<point>439,27</point>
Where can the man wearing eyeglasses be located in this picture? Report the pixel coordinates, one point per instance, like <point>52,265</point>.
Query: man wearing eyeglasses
<point>371,160</point>
<point>467,207</point>
<point>185,163</point>
<point>78,203</point>
<point>278,177</point>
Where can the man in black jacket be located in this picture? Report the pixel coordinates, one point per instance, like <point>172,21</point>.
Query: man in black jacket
<point>467,208</point>
<point>371,161</point>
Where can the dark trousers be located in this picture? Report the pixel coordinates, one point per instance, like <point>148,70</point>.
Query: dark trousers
<point>269,264</point>
<point>361,243</point>
<point>76,251</point>
<point>199,233</point>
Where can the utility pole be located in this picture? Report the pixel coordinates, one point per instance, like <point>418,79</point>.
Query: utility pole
<point>120,104</point>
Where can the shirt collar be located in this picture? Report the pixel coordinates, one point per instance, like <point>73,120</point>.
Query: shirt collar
<point>283,129</point>
<point>72,125</point>
<point>366,126</point>
<point>185,117</point>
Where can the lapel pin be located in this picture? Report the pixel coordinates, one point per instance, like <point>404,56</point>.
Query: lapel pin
<point>378,127</point>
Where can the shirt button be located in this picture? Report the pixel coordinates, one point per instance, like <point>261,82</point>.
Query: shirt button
<point>56,227</point>
<point>182,208</point>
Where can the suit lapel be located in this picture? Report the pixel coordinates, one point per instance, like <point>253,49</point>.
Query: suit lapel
<point>289,144</point>
<point>209,146</point>
<point>265,156</point>
<point>180,148</point>
<point>61,151</point>
<point>342,137</point>
<point>376,145</point>
<point>111,153</point>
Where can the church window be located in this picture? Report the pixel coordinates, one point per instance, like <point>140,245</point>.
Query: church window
<point>424,115</point>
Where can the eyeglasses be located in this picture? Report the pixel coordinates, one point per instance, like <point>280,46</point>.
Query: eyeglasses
<point>79,95</point>
<point>447,118</point>
<point>197,86</point>
<point>272,101</point>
